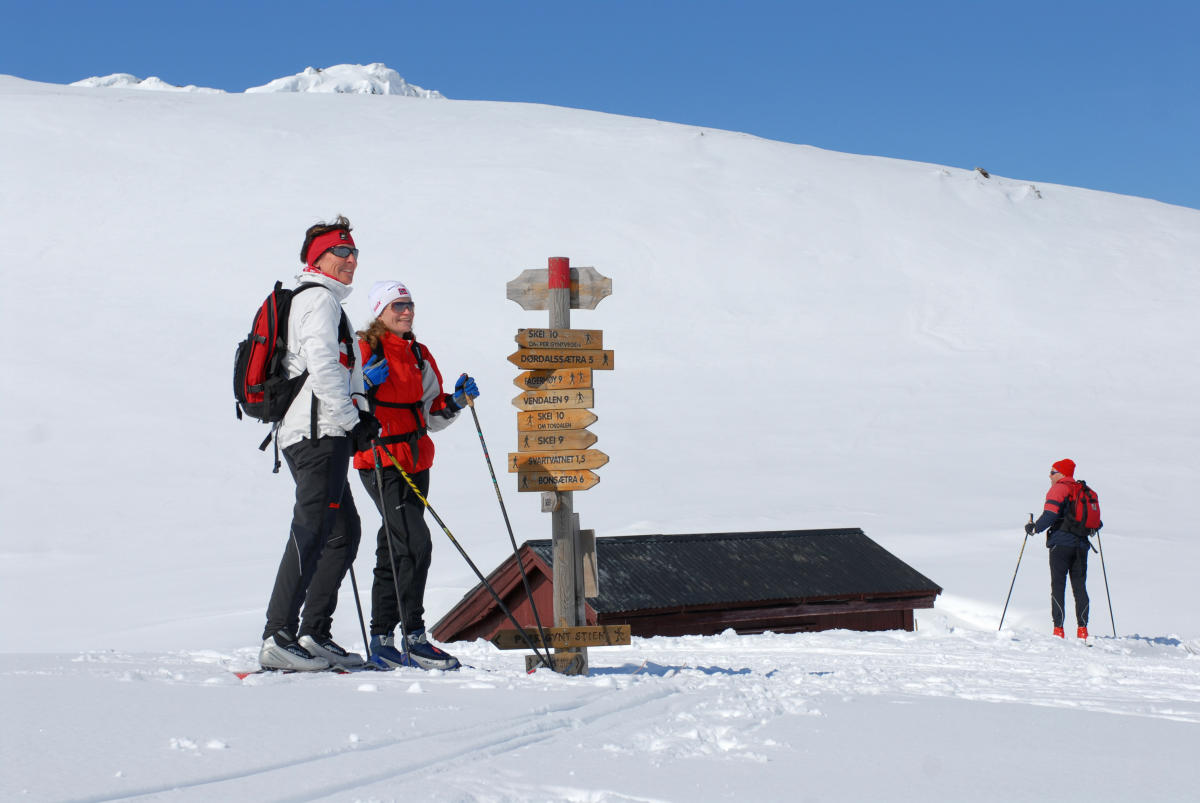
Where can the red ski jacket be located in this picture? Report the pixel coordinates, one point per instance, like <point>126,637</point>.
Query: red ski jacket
<point>1052,513</point>
<point>409,404</point>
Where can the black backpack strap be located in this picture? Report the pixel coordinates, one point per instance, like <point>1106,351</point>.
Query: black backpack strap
<point>262,447</point>
<point>347,337</point>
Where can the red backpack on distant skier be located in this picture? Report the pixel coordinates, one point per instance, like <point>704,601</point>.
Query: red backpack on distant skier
<point>1081,511</point>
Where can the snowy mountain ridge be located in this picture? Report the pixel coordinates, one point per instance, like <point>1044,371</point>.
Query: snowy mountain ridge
<point>124,80</point>
<point>349,79</point>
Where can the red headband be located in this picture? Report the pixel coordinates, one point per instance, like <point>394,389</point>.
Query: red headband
<point>323,242</point>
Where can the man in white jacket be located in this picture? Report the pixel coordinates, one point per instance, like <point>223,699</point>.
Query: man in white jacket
<point>318,436</point>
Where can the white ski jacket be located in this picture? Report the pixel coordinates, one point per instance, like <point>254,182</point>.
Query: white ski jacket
<point>313,346</point>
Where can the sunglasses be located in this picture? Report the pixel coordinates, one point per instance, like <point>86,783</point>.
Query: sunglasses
<point>399,307</point>
<point>1053,473</point>
<point>343,251</point>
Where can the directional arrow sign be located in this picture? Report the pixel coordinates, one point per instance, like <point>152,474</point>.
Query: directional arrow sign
<point>565,637</point>
<point>550,399</point>
<point>556,480</point>
<point>544,359</point>
<point>574,459</point>
<point>560,338</point>
<point>554,420</point>
<point>554,380</point>
<point>565,441</point>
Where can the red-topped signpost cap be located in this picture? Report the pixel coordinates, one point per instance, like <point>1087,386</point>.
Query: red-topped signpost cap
<point>560,273</point>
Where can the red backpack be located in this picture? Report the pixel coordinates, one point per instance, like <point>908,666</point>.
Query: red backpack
<point>260,382</point>
<point>1081,511</point>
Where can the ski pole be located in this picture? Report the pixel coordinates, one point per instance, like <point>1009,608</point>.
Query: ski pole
<point>387,534</point>
<point>1105,571</point>
<point>504,511</point>
<point>1014,580</point>
<point>358,604</point>
<point>499,602</point>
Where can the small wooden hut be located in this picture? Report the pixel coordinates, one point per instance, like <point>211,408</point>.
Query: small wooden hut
<point>784,581</point>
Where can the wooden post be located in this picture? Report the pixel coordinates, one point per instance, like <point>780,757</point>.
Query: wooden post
<point>568,603</point>
<point>553,453</point>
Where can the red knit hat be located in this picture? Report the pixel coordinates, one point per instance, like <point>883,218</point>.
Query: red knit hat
<point>324,242</point>
<point>1065,467</point>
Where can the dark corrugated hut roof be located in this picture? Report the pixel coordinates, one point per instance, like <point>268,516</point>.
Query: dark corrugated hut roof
<point>719,568</point>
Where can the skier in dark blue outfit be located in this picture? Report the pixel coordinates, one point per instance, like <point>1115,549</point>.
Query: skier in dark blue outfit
<point>1068,552</point>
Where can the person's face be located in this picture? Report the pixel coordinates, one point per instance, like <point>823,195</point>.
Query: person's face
<point>339,267</point>
<point>397,317</point>
<point>1055,476</point>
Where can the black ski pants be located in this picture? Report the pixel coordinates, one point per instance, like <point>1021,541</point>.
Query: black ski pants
<point>411,546</point>
<point>1072,561</point>
<point>322,542</point>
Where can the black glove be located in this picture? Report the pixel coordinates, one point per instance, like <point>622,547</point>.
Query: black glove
<point>365,431</point>
<point>1029,528</point>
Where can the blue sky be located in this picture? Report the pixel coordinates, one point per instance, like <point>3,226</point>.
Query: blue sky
<point>1098,94</point>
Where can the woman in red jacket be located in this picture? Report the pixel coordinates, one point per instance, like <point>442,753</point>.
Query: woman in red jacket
<point>404,387</point>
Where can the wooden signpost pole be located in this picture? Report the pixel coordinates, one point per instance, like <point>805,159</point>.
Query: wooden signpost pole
<point>553,454</point>
<point>564,527</point>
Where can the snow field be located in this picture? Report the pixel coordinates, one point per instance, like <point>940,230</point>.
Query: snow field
<point>805,339</point>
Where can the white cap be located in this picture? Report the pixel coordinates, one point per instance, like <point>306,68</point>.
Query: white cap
<point>384,293</point>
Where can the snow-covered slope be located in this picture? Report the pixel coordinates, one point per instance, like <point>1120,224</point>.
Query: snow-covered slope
<point>804,339</point>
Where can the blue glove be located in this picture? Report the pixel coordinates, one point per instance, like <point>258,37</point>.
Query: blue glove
<point>375,372</point>
<point>465,388</point>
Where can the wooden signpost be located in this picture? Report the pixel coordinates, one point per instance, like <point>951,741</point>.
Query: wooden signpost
<point>573,459</point>
<point>555,420</point>
<point>555,399</point>
<point>552,439</point>
<point>556,480</point>
<point>555,379</point>
<point>577,288</point>
<point>566,440</point>
<point>560,338</point>
<point>563,637</point>
<point>543,359</point>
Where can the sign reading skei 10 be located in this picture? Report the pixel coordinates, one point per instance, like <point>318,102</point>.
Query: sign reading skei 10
<point>552,436</point>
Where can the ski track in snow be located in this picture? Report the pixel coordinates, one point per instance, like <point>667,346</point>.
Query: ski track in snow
<point>656,701</point>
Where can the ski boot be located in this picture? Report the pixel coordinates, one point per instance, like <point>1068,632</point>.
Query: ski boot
<point>426,655</point>
<point>325,647</point>
<point>384,654</point>
<point>282,651</point>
